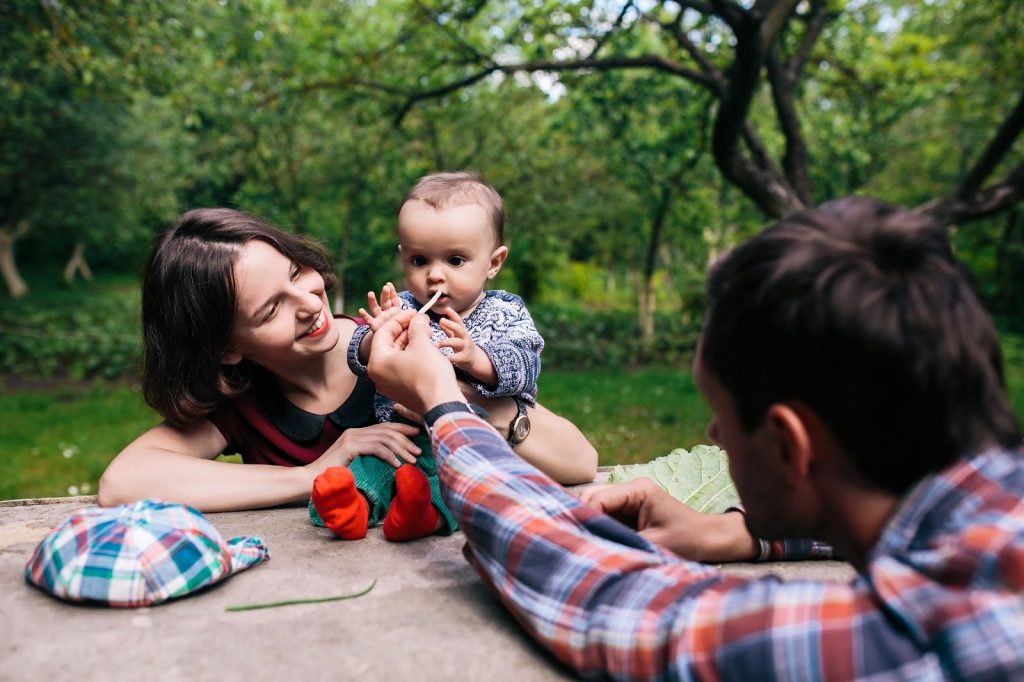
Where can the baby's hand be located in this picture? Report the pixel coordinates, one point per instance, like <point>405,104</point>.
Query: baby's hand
<point>466,354</point>
<point>375,314</point>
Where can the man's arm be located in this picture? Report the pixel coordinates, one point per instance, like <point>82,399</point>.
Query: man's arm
<point>606,600</point>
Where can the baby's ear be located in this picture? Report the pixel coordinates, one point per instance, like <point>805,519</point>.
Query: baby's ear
<point>497,260</point>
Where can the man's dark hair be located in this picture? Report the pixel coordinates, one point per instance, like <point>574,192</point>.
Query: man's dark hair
<point>188,308</point>
<point>859,310</point>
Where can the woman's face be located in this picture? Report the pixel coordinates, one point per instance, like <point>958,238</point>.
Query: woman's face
<point>281,311</point>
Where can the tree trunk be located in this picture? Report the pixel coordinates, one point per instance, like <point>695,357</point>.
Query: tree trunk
<point>346,237</point>
<point>646,299</point>
<point>77,263</point>
<point>16,286</point>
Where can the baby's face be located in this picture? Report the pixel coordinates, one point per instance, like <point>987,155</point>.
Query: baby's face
<point>451,249</point>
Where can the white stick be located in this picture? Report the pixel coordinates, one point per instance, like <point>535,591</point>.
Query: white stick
<point>430,304</point>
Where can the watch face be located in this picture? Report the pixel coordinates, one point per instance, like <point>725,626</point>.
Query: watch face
<point>520,428</point>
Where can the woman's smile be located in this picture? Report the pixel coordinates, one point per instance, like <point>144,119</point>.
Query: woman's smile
<point>319,327</point>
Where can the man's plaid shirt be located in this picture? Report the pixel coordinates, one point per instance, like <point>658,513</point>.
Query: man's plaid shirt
<point>941,595</point>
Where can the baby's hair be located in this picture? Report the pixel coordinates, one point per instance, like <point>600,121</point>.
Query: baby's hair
<point>459,188</point>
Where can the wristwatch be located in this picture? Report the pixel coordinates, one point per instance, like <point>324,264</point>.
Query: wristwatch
<point>519,427</point>
<point>435,413</point>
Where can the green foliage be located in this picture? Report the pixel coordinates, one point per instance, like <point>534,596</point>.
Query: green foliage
<point>699,477</point>
<point>89,331</point>
<point>579,338</point>
<point>59,442</point>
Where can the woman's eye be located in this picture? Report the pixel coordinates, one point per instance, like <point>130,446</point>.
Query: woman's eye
<point>296,269</point>
<point>271,312</point>
<point>456,261</point>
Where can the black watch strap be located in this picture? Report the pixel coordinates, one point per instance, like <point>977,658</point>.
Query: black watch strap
<point>438,411</point>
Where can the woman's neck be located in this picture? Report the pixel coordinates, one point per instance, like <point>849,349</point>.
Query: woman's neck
<point>319,384</point>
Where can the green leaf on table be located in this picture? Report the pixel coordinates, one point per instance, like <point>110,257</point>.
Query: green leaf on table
<point>699,478</point>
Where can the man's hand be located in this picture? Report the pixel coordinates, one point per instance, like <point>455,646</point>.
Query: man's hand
<point>659,517</point>
<point>406,367</point>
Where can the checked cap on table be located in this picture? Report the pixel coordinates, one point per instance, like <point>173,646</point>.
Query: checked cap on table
<point>137,554</point>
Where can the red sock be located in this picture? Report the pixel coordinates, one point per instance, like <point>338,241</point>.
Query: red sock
<point>411,514</point>
<point>341,506</point>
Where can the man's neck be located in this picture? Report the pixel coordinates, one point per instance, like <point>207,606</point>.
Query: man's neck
<point>856,515</point>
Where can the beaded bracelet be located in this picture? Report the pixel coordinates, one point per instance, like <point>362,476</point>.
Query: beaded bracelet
<point>764,547</point>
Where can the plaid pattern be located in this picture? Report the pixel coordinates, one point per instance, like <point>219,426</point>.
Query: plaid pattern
<point>136,555</point>
<point>942,595</point>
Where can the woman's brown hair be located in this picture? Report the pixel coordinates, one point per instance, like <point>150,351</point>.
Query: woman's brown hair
<point>188,308</point>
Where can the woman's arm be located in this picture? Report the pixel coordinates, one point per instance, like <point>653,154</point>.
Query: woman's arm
<point>178,466</point>
<point>555,445</point>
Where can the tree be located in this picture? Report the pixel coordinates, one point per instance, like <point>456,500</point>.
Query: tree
<point>761,62</point>
<point>85,159</point>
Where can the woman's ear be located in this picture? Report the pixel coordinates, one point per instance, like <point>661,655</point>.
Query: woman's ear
<point>230,357</point>
<point>497,260</point>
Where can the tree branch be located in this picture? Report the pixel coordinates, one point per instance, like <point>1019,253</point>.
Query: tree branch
<point>652,61</point>
<point>754,36</point>
<point>1004,138</point>
<point>675,29</point>
<point>1001,194</point>
<point>618,24</point>
<point>783,79</point>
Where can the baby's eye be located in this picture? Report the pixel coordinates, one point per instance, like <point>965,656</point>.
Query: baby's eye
<point>418,261</point>
<point>456,261</point>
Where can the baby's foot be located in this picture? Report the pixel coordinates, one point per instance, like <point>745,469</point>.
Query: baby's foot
<point>340,504</point>
<point>411,514</point>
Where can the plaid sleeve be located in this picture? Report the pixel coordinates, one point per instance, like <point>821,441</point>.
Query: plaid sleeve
<point>609,603</point>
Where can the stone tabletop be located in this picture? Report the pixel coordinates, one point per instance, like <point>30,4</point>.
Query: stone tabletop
<point>429,616</point>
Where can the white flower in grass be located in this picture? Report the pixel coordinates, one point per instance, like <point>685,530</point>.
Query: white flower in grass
<point>72,490</point>
<point>85,488</point>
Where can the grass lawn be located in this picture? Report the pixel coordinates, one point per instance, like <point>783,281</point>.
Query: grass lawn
<point>59,441</point>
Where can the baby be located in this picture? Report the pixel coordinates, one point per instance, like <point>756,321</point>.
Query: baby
<point>451,243</point>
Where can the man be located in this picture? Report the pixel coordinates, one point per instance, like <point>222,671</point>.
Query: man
<point>856,383</point>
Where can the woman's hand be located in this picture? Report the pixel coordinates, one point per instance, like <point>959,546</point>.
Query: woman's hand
<point>389,442</point>
<point>644,505</point>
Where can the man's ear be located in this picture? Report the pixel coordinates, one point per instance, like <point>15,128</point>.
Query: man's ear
<point>497,260</point>
<point>230,357</point>
<point>793,431</point>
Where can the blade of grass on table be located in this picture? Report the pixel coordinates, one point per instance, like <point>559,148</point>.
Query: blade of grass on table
<point>289,602</point>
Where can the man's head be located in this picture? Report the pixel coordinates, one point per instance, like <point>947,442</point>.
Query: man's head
<point>858,313</point>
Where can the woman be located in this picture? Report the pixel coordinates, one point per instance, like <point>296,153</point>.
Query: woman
<point>242,354</point>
